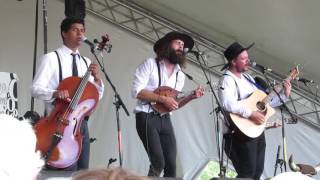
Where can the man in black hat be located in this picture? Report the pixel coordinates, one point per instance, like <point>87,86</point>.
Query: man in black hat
<point>247,154</point>
<point>155,129</point>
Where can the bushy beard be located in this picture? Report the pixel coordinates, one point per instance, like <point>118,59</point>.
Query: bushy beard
<point>176,58</point>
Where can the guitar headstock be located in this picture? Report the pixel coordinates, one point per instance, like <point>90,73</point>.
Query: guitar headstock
<point>294,72</point>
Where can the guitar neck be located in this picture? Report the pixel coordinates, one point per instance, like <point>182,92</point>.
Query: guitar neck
<point>278,88</point>
<point>184,98</point>
<point>184,94</point>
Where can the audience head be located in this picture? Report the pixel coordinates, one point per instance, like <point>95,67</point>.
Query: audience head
<point>107,174</point>
<point>18,157</point>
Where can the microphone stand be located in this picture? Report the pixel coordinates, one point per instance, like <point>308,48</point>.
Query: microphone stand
<point>220,150</point>
<point>217,65</point>
<point>118,103</point>
<point>45,39</point>
<point>283,123</point>
<point>45,26</point>
<point>278,161</point>
<point>35,50</point>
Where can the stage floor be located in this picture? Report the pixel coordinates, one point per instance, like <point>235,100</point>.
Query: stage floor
<point>54,175</point>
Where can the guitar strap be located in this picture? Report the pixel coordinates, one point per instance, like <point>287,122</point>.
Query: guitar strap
<point>60,69</point>
<point>254,83</point>
<point>250,80</point>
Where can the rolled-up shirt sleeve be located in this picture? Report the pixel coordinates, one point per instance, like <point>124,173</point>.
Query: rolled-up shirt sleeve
<point>100,88</point>
<point>141,77</point>
<point>275,101</point>
<point>228,96</point>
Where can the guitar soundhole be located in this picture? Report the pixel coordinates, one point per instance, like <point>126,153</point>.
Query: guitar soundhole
<point>261,106</point>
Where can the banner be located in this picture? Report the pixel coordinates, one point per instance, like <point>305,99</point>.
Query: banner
<point>8,94</point>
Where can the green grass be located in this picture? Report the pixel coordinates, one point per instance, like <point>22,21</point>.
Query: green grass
<point>212,170</point>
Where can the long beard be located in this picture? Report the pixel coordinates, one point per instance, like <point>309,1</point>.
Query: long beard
<point>176,58</point>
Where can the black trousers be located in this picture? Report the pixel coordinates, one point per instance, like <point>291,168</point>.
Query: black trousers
<point>157,135</point>
<point>83,161</point>
<point>247,155</point>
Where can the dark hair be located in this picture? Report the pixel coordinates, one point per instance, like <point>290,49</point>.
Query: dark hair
<point>163,52</point>
<point>67,23</point>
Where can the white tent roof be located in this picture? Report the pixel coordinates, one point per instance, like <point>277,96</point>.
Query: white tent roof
<point>285,32</point>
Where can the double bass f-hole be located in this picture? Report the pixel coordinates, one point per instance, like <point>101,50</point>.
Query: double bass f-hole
<point>75,126</point>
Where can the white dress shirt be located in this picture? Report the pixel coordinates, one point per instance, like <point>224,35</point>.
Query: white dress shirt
<point>146,77</point>
<point>228,93</point>
<point>46,79</point>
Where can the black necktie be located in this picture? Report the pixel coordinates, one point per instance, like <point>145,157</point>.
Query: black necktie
<point>74,65</point>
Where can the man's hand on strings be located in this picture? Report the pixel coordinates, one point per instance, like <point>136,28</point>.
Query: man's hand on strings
<point>199,92</point>
<point>62,94</point>
<point>287,87</point>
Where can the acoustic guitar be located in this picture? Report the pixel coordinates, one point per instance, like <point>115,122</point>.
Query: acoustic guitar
<point>258,101</point>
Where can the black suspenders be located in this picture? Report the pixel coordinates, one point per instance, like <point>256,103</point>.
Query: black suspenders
<point>159,75</point>
<point>248,79</point>
<point>238,90</point>
<point>60,69</point>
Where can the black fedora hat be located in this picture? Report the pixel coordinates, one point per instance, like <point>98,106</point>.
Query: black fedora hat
<point>233,51</point>
<point>188,41</point>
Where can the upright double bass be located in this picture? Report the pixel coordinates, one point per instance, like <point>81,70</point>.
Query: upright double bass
<point>58,135</point>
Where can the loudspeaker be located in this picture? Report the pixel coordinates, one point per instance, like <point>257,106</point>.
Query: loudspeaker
<point>75,9</point>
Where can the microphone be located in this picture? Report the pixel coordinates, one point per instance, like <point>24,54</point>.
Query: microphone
<point>89,43</point>
<point>260,67</point>
<point>304,80</point>
<point>196,53</point>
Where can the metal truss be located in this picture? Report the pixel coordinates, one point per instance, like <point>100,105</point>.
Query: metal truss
<point>304,102</point>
